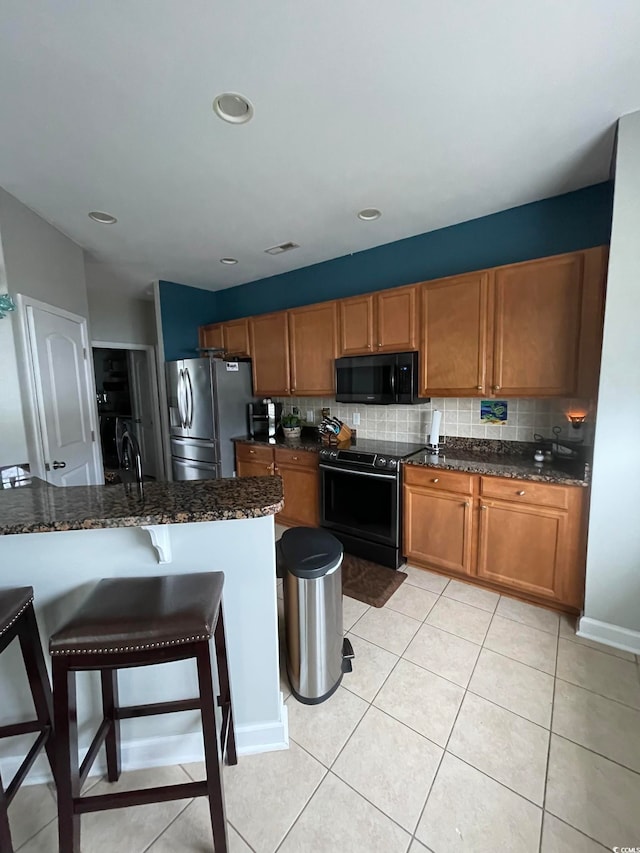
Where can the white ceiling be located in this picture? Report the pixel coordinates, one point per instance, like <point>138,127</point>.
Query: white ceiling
<point>434,112</point>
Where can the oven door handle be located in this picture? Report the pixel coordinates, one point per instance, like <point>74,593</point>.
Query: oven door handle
<point>358,473</point>
<point>394,370</point>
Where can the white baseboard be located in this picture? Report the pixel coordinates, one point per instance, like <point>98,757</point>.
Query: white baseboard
<point>610,635</point>
<point>164,751</point>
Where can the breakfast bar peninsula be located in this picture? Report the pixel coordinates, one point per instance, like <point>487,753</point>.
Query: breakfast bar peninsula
<point>61,541</point>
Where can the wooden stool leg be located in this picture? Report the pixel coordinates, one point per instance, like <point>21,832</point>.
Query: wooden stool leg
<point>5,830</point>
<point>227,734</point>
<point>68,778</point>
<point>109,678</point>
<point>38,678</point>
<point>213,763</point>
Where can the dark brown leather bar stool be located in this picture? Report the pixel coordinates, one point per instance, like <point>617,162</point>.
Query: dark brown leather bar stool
<point>129,622</point>
<point>17,619</point>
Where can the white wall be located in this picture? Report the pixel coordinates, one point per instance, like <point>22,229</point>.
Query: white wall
<point>612,604</point>
<point>39,261</point>
<point>13,446</point>
<point>114,315</point>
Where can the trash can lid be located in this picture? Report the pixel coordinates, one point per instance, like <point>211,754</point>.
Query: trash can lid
<point>308,552</point>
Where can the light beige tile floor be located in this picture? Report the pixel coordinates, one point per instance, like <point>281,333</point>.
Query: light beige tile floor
<point>471,722</point>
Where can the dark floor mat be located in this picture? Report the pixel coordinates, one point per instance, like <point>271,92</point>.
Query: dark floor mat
<point>368,582</point>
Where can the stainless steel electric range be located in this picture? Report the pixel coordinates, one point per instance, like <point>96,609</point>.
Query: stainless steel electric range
<point>361,497</point>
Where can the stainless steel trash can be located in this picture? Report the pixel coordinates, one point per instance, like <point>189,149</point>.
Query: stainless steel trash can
<point>310,563</point>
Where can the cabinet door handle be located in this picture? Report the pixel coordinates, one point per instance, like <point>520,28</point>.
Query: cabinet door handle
<point>466,503</point>
<point>295,458</point>
<point>478,387</point>
<point>496,387</point>
<point>368,346</point>
<point>252,451</point>
<point>522,492</point>
<point>379,345</point>
<point>436,480</point>
<point>484,507</point>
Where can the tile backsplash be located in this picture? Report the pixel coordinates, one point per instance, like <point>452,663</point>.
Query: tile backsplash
<point>460,417</point>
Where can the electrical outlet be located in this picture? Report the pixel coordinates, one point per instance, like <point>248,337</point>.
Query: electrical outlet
<point>295,410</point>
<point>356,418</point>
<point>310,417</point>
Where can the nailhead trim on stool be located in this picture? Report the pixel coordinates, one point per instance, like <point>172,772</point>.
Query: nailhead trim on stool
<point>13,621</point>
<point>22,624</point>
<point>139,648</point>
<point>101,625</point>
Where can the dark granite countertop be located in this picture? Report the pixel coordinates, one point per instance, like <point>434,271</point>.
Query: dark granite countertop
<point>307,443</point>
<point>43,508</point>
<point>506,462</point>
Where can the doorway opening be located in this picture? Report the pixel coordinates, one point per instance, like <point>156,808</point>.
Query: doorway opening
<point>127,395</point>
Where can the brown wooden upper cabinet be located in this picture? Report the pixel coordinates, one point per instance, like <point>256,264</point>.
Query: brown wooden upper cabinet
<point>232,337</point>
<point>356,325</point>
<point>454,335</point>
<point>379,322</point>
<point>537,327</point>
<point>235,335</point>
<point>211,336</point>
<point>524,330</point>
<point>269,342</point>
<point>396,319</point>
<point>313,345</point>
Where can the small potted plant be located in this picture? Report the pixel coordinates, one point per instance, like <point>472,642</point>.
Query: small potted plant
<point>291,426</point>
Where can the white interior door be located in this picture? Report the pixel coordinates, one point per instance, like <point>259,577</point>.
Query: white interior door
<point>65,396</point>
<point>144,409</point>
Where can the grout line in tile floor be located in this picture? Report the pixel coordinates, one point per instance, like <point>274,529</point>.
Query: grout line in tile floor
<point>445,751</point>
<point>549,730</point>
<point>578,831</point>
<point>553,707</point>
<point>180,813</point>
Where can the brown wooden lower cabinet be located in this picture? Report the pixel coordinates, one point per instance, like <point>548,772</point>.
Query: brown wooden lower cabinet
<point>438,528</point>
<point>300,479</point>
<point>254,461</point>
<point>301,486</point>
<point>518,536</point>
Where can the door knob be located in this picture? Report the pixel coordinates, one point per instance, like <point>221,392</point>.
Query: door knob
<point>57,465</point>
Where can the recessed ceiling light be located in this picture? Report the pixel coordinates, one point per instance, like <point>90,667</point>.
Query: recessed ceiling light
<point>369,214</point>
<point>102,217</point>
<point>229,261</point>
<point>232,107</point>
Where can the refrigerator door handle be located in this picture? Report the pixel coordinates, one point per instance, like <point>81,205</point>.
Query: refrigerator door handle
<point>181,390</point>
<point>189,406</point>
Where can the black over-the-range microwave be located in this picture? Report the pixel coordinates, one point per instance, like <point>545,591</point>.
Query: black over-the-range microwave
<point>378,379</point>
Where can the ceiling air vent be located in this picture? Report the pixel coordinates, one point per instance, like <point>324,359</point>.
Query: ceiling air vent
<point>283,247</point>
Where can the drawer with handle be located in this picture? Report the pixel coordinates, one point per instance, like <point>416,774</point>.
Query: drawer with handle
<point>301,458</point>
<point>254,453</point>
<point>433,478</point>
<point>525,491</point>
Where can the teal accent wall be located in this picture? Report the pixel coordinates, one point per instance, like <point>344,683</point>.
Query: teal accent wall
<point>565,223</point>
<point>183,309</point>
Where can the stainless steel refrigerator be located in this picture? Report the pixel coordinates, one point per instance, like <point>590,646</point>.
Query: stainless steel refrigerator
<point>207,407</point>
